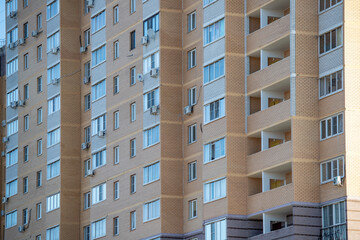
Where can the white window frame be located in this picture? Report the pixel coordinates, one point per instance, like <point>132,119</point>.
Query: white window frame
<point>53,170</point>
<point>38,211</point>
<point>211,148</point>
<point>192,134</point>
<point>12,157</point>
<point>150,62</point>
<point>98,124</point>
<point>53,41</point>
<point>132,6</point>
<point>192,96</point>
<point>52,9</point>
<point>215,66</point>
<point>53,233</point>
<point>116,120</point>
<point>339,42</point>
<point>12,127</point>
<point>98,22</point>
<point>151,173</point>
<point>98,90</point>
<point>99,159</point>
<point>98,228</point>
<point>133,112</point>
<point>98,56</point>
<point>53,137</point>
<point>11,188</point>
<point>221,193</point>
<point>150,138</point>
<point>12,66</point>
<point>339,130</point>
<point>116,84</point>
<point>192,206</point>
<point>220,103</point>
<point>52,202</point>
<point>132,76</point>
<point>192,171</point>
<point>116,14</point>
<point>149,213</point>
<point>215,25</point>
<point>338,218</point>
<point>151,98</point>
<point>133,184</point>
<point>54,104</point>
<point>329,167</point>
<point>132,220</point>
<point>12,221</point>
<point>53,73</point>
<point>218,229</point>
<point>87,200</point>
<point>98,193</point>
<point>116,155</point>
<point>116,49</point>
<point>326,83</point>
<point>191,21</point>
<point>191,59</point>
<point>338,2</point>
<point>116,190</point>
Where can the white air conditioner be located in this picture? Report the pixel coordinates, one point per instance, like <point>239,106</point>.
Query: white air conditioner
<point>5,199</point>
<point>86,79</point>
<point>14,104</point>
<point>188,110</point>
<point>90,3</point>
<point>154,72</point>
<point>85,146</point>
<point>3,123</point>
<point>22,41</point>
<point>35,33</point>
<point>101,133</point>
<point>22,103</point>
<point>55,50</point>
<point>144,40</point>
<point>83,49</point>
<point>140,77</point>
<point>11,45</point>
<point>91,172</point>
<point>3,154</point>
<point>21,228</point>
<point>154,110</point>
<point>5,139</point>
<point>13,14</point>
<point>55,81</point>
<point>337,181</point>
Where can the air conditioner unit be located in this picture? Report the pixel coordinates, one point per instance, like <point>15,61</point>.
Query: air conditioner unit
<point>11,45</point>
<point>91,173</point>
<point>2,213</point>
<point>154,72</point>
<point>154,110</point>
<point>55,81</point>
<point>86,79</point>
<point>5,139</point>
<point>188,110</point>
<point>22,103</point>
<point>83,49</point>
<point>144,40</point>
<point>55,50</point>
<point>13,14</point>
<point>22,41</point>
<point>140,77</point>
<point>35,33</point>
<point>14,104</point>
<point>3,154</point>
<point>21,228</point>
<point>3,123</point>
<point>85,146</point>
<point>90,3</point>
<point>337,181</point>
<point>101,133</point>
<point>5,199</point>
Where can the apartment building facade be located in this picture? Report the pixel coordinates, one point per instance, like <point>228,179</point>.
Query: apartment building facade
<point>191,119</point>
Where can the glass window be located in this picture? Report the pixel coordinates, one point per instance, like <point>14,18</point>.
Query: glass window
<point>53,169</point>
<point>214,31</point>
<point>98,90</point>
<point>151,23</point>
<point>99,55</point>
<point>151,210</point>
<point>214,150</point>
<point>191,21</point>
<point>151,173</point>
<point>98,193</point>
<point>99,159</point>
<point>98,22</point>
<point>151,136</point>
<point>214,190</point>
<point>52,9</point>
<point>214,110</point>
<point>214,71</point>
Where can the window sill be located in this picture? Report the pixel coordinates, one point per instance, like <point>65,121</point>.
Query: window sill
<point>145,184</point>
<point>53,145</point>
<point>192,180</point>
<point>150,220</point>
<point>48,179</point>
<point>93,204</point>
<point>216,159</point>
<point>151,145</point>
<point>192,218</point>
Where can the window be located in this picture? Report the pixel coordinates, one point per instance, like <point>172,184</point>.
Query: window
<point>99,159</point>
<point>98,228</point>
<point>39,147</point>
<point>39,116</point>
<point>116,119</point>
<point>39,179</point>
<point>116,226</point>
<point>12,67</point>
<point>116,50</point>
<point>216,230</point>
<point>53,170</point>
<point>151,23</point>
<point>116,84</point>
<point>132,76</point>
<point>38,211</point>
<point>151,173</point>
<point>87,134</point>
<point>132,40</point>
<point>214,71</point>
<point>116,154</point>
<point>38,237</point>
<point>25,3</point>
<point>39,84</point>
<point>86,11</point>
<point>214,31</point>
<point>330,40</point>
<point>150,62</point>
<point>98,124</point>
<point>191,58</point>
<point>87,38</point>
<point>98,22</point>
<point>12,35</point>
<point>26,153</point>
<point>39,21</point>
<point>133,220</point>
<point>192,133</point>
<point>53,233</point>
<point>334,221</point>
<point>331,169</point>
<point>12,157</point>
<point>25,185</point>
<point>87,68</point>
<point>116,14</point>
<point>133,183</point>
<point>192,209</point>
<point>133,147</point>
<point>192,96</point>
<point>331,84</point>
<point>12,96</point>
<point>53,73</point>
<point>26,30</point>
<point>98,90</point>
<point>11,6</point>
<point>87,167</point>
<point>151,136</point>
<point>26,91</point>
<point>192,171</point>
<point>53,137</point>
<point>53,202</point>
<point>39,53</point>
<point>26,122</point>
<point>325,4</point>
<point>25,216</point>
<point>331,126</point>
<point>207,2</point>
<point>99,55</point>
<point>191,21</point>
<point>132,112</point>
<point>151,210</point>
<point>151,99</point>
<point>87,200</point>
<point>116,190</point>
<point>26,61</point>
<point>12,127</point>
<point>87,102</point>
<point>87,228</point>
<point>214,190</point>
<point>11,188</point>
<point>11,219</point>
<point>215,110</point>
<point>132,6</point>
<point>214,150</point>
<point>98,193</point>
<point>53,41</point>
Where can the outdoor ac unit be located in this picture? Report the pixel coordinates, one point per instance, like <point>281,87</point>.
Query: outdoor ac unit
<point>90,3</point>
<point>154,110</point>
<point>5,139</point>
<point>144,40</point>
<point>86,79</point>
<point>337,181</point>
<point>91,172</point>
<point>3,154</point>
<point>154,72</point>
<point>22,41</point>
<point>3,123</point>
<point>140,77</point>
<point>5,199</point>
<point>13,14</point>
<point>22,103</point>
<point>21,228</point>
<point>83,49</point>
<point>188,110</point>
<point>85,146</point>
<point>101,133</point>
<point>14,104</point>
<point>55,81</point>
<point>55,50</point>
<point>35,33</point>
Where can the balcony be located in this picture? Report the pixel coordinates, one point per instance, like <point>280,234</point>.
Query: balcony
<point>334,232</point>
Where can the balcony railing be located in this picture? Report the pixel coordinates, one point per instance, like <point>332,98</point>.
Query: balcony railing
<point>334,233</point>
